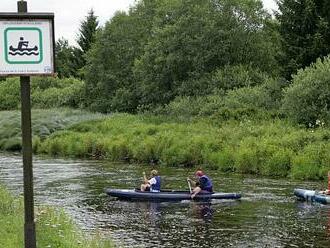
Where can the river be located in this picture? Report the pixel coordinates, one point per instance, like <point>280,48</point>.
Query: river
<point>268,215</point>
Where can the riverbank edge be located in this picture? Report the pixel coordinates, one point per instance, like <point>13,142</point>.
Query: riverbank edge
<point>53,227</point>
<point>273,148</point>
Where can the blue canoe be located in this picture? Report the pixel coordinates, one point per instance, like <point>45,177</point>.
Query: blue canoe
<point>167,195</point>
<point>312,195</point>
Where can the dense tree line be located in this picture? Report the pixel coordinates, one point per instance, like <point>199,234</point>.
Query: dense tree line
<point>163,49</point>
<point>166,50</point>
<point>305,32</point>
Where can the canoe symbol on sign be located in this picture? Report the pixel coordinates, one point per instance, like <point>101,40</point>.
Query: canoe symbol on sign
<point>23,49</point>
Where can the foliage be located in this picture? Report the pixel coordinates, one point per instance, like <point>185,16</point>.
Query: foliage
<point>88,28</point>
<point>53,227</point>
<point>54,92</point>
<point>66,61</point>
<point>108,72</point>
<point>272,148</point>
<point>157,52</point>
<point>237,76</point>
<point>86,37</point>
<point>44,123</point>
<point>45,93</point>
<point>305,31</point>
<point>307,99</point>
<point>312,162</point>
<point>9,94</point>
<point>177,52</point>
<point>245,102</point>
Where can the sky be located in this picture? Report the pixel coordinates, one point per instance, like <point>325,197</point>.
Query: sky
<point>70,13</point>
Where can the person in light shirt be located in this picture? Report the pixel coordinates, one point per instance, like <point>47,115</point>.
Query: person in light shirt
<point>153,184</point>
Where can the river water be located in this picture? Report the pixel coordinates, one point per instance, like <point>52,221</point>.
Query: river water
<point>268,215</point>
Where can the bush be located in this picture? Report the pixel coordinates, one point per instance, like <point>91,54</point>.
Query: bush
<point>312,162</point>
<point>55,92</point>
<point>307,100</point>
<point>10,94</point>
<point>46,92</point>
<point>183,106</point>
<point>238,76</point>
<point>223,160</point>
<point>13,144</point>
<point>257,102</point>
<point>246,97</point>
<point>279,164</point>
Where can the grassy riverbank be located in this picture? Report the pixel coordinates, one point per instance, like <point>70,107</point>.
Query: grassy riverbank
<point>264,147</point>
<point>271,148</point>
<point>44,123</point>
<point>53,227</point>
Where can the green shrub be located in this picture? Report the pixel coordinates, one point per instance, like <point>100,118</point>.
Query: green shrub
<point>46,92</point>
<point>305,167</point>
<point>13,144</point>
<point>223,160</point>
<point>10,94</point>
<point>309,163</point>
<point>183,106</point>
<point>55,92</point>
<point>279,164</point>
<point>237,76</point>
<point>118,149</point>
<point>272,148</point>
<point>247,160</point>
<point>307,99</point>
<point>124,100</point>
<point>246,97</point>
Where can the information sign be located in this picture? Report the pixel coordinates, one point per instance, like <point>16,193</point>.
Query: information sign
<point>26,46</point>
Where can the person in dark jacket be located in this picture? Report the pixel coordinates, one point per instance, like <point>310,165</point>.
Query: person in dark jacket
<point>203,184</point>
<point>153,184</point>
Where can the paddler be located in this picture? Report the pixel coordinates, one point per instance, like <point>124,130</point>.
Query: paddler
<point>203,184</point>
<point>152,184</point>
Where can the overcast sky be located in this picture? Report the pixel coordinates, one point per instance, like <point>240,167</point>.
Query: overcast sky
<point>69,13</point>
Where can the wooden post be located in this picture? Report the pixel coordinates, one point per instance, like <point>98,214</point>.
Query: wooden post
<point>29,225</point>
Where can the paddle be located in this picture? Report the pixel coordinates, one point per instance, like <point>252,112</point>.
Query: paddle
<point>188,180</point>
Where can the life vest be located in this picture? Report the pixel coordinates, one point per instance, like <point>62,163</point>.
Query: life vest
<point>156,187</point>
<point>207,183</point>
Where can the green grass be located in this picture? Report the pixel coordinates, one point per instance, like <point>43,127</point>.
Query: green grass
<point>53,227</point>
<point>44,123</point>
<point>265,147</point>
<point>271,148</point>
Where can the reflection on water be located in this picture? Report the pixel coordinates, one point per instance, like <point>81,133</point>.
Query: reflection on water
<point>267,216</point>
<point>202,210</point>
<point>328,223</point>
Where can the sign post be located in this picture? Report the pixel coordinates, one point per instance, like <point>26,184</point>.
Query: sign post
<point>27,49</point>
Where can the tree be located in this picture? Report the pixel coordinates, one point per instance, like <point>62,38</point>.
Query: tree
<point>305,32</point>
<point>161,49</point>
<point>307,99</point>
<point>192,39</point>
<point>65,59</point>
<point>86,37</point>
<point>110,83</point>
